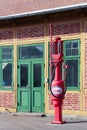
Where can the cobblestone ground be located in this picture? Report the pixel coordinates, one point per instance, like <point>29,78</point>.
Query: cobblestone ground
<point>36,122</point>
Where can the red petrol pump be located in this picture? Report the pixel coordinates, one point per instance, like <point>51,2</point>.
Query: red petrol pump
<point>57,83</point>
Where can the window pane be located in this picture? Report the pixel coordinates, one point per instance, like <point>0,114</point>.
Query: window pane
<point>68,45</point>
<point>74,52</point>
<point>37,75</point>
<point>72,78</point>
<point>75,44</point>
<point>31,52</point>
<point>6,53</point>
<point>23,75</point>
<point>7,74</point>
<point>72,48</point>
<point>68,52</point>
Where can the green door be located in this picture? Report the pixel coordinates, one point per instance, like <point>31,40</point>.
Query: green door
<point>30,85</point>
<point>37,87</point>
<point>23,87</point>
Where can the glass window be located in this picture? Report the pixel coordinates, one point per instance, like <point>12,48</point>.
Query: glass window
<point>72,48</point>
<point>72,78</point>
<point>72,58</point>
<point>24,75</point>
<point>37,75</point>
<point>6,65</point>
<point>31,52</point>
<point>6,53</point>
<point>7,74</point>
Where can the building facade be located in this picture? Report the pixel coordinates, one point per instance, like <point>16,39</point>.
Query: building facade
<point>24,59</point>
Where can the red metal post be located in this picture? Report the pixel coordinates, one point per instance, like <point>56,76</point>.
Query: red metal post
<point>51,26</point>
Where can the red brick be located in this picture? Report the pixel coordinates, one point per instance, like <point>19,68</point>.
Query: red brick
<point>6,100</point>
<point>30,33</point>
<point>85,103</point>
<point>71,101</point>
<point>66,28</point>
<point>6,35</point>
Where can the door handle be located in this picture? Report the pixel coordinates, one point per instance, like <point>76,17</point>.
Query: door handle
<point>18,85</point>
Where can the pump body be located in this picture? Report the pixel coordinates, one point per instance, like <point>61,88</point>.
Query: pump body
<point>57,83</point>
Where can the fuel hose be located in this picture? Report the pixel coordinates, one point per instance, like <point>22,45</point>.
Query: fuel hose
<point>53,75</point>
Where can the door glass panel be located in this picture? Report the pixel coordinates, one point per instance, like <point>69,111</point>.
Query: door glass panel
<point>7,74</point>
<point>29,52</point>
<point>37,75</point>
<point>72,78</point>
<point>24,75</point>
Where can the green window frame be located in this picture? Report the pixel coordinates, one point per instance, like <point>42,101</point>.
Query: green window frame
<point>6,67</point>
<point>72,59</point>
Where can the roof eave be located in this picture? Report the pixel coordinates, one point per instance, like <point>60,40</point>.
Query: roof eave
<point>45,11</point>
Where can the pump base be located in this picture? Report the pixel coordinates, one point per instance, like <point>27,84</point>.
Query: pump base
<point>58,122</point>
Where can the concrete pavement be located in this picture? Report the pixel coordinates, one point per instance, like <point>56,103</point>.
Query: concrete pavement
<point>26,121</point>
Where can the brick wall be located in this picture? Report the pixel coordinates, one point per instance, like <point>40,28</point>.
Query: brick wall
<point>66,28</point>
<point>85,70</point>
<point>7,99</point>
<point>22,33</point>
<point>6,35</point>
<point>50,105</point>
<point>71,101</point>
<point>30,33</point>
<point>85,73</point>
<point>85,102</point>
